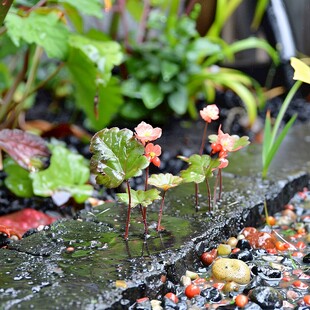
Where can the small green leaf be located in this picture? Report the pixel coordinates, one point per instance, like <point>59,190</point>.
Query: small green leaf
<point>169,70</point>
<point>151,95</point>
<point>17,180</point>
<point>68,172</point>
<point>240,142</point>
<point>200,168</point>
<point>117,156</point>
<point>144,198</point>
<point>178,100</point>
<point>44,29</point>
<point>164,181</point>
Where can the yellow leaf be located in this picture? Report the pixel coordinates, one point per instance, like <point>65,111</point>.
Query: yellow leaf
<point>302,71</point>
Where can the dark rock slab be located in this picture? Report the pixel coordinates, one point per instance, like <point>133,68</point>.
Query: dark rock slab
<point>38,271</point>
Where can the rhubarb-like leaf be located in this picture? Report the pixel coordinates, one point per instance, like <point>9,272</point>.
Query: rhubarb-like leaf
<point>68,172</point>
<point>117,156</point>
<point>200,168</point>
<point>240,142</point>
<point>25,148</point>
<point>164,180</point>
<point>144,198</point>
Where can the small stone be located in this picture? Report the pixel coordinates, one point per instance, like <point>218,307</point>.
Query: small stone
<point>223,249</point>
<point>232,241</point>
<point>121,283</point>
<point>211,294</point>
<point>306,259</point>
<point>243,244</point>
<point>230,286</point>
<point>185,280</point>
<point>192,275</point>
<point>70,249</point>
<point>266,297</point>
<point>226,269</point>
<point>240,237</point>
<point>245,255</point>
<point>308,238</point>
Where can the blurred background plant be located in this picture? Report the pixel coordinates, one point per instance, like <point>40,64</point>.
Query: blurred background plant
<point>147,62</point>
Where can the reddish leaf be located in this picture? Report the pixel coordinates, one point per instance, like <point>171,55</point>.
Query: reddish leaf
<point>23,147</point>
<point>23,220</point>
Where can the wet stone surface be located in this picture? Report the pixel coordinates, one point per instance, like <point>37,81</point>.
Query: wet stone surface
<point>86,264</point>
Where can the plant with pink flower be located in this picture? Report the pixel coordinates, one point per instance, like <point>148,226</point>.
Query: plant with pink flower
<point>146,133</point>
<point>210,113</point>
<point>152,152</point>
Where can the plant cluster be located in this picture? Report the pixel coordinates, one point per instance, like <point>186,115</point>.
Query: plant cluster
<point>120,154</point>
<point>162,70</point>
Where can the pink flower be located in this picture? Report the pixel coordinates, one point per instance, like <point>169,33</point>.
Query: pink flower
<point>210,113</point>
<point>152,152</point>
<point>145,133</point>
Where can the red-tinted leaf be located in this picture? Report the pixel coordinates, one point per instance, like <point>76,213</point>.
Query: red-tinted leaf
<point>23,220</point>
<point>23,147</point>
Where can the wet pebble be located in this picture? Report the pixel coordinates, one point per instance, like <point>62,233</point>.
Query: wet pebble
<point>306,259</point>
<point>266,297</point>
<point>211,294</point>
<point>245,255</point>
<point>226,269</point>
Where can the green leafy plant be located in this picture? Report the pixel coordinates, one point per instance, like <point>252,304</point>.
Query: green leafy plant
<point>169,71</point>
<point>273,135</point>
<point>45,45</point>
<point>64,178</point>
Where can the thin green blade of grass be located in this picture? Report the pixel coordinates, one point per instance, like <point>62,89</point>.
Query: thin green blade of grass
<point>274,148</point>
<point>267,137</point>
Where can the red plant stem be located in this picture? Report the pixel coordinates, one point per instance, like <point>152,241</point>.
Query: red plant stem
<point>190,6</point>
<point>209,194</point>
<point>161,211</point>
<point>128,211</point>
<point>221,183</point>
<point>143,209</point>
<point>142,25</point>
<point>215,187</point>
<point>203,141</point>
<point>196,196</point>
<point>122,6</point>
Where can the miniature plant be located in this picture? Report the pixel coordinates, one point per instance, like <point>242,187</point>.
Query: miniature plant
<point>273,136</point>
<point>222,144</point>
<point>117,157</point>
<point>164,181</point>
<point>200,168</point>
<point>145,133</point>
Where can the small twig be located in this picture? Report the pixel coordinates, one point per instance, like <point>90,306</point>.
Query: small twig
<point>128,211</point>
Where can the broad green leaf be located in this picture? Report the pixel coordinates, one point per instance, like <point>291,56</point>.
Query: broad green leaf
<point>45,29</point>
<point>273,150</point>
<point>17,180</point>
<point>25,148</point>
<point>141,197</point>
<point>151,95</point>
<point>117,156</point>
<point>178,100</point>
<point>84,77</point>
<point>68,172</point>
<point>91,8</point>
<point>169,70</point>
<point>103,54</point>
<point>164,181</point>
